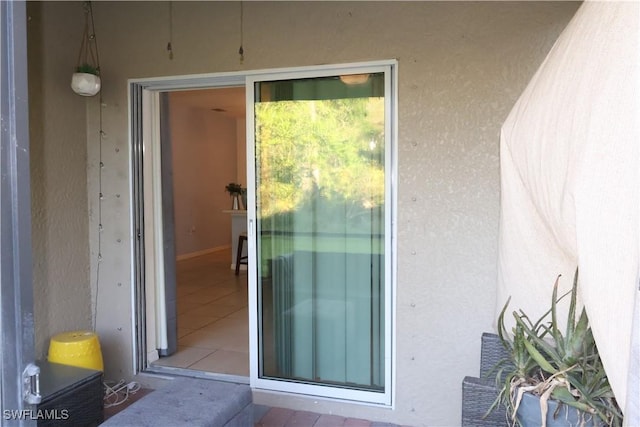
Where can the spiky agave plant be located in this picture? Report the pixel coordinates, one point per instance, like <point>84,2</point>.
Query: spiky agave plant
<point>545,362</point>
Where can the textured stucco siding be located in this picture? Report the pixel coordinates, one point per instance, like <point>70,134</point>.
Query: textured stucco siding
<point>58,148</point>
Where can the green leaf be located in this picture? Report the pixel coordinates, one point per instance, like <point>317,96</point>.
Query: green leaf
<point>563,395</point>
<point>502,333</point>
<point>571,317</point>
<point>539,358</point>
<point>539,342</point>
<point>580,339</point>
<point>554,321</point>
<point>87,68</point>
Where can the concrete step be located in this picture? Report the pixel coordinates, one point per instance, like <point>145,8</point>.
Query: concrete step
<point>190,402</point>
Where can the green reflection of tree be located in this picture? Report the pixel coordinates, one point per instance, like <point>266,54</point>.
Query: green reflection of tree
<point>321,151</point>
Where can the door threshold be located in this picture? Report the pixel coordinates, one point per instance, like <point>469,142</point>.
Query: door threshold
<point>183,372</point>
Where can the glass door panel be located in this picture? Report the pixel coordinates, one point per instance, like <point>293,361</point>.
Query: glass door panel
<point>321,230</point>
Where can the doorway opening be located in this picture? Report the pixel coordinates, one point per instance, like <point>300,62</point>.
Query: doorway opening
<point>207,144</point>
<point>188,144</point>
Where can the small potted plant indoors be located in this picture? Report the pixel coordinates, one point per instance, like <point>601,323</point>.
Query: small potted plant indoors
<point>86,80</point>
<point>235,190</point>
<point>550,379</point>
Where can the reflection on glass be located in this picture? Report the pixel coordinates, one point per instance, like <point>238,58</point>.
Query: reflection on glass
<point>320,195</point>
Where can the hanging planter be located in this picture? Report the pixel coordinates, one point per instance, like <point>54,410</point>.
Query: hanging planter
<point>86,79</point>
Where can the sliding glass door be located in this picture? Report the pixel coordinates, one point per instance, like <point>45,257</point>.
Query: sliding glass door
<point>320,231</point>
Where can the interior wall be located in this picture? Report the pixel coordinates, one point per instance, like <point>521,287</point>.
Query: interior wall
<point>58,154</point>
<point>204,162</point>
<point>461,68</point>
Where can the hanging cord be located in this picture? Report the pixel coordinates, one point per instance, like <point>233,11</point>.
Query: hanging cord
<point>88,58</point>
<point>241,50</point>
<point>100,198</point>
<point>169,47</point>
<point>101,136</point>
<point>93,38</point>
<point>84,43</point>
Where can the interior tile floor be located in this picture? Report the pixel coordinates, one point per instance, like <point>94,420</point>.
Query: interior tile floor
<point>213,327</point>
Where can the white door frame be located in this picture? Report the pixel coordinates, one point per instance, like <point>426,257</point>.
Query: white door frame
<point>362,396</point>
<point>150,332</point>
<point>149,88</point>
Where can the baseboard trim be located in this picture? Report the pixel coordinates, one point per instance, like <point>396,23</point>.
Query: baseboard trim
<point>202,252</point>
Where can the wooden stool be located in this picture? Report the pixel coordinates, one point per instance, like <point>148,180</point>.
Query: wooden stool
<point>242,237</point>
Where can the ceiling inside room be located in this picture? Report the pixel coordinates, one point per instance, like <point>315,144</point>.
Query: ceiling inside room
<point>229,101</point>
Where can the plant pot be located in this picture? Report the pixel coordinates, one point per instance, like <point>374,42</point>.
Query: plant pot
<point>529,414</point>
<point>85,84</point>
<point>235,202</point>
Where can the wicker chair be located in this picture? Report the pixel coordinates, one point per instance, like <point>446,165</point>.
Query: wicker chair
<point>479,393</point>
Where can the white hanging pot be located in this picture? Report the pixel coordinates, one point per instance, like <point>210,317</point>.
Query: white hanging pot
<point>85,84</point>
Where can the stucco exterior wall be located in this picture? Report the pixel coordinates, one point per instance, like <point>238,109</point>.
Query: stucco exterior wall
<point>461,68</point>
<point>58,148</point>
